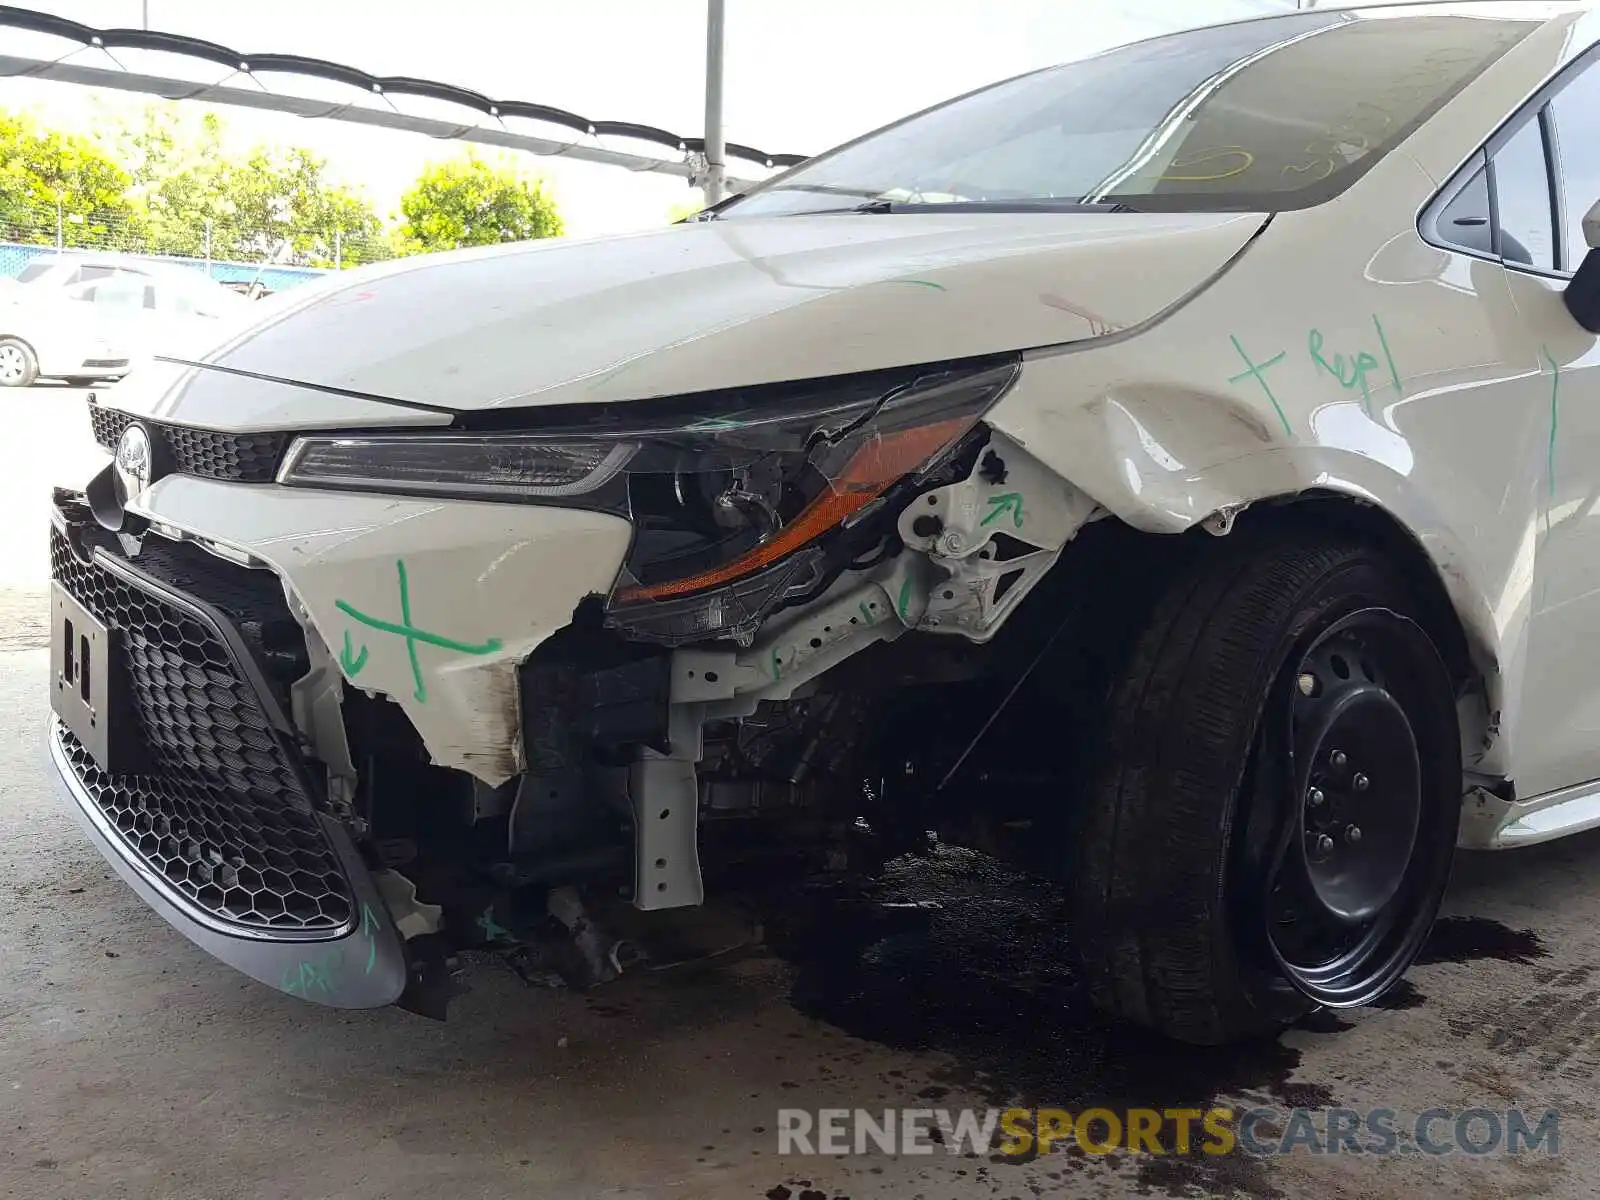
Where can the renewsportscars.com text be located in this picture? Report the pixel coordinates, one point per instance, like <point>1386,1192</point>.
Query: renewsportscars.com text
<point>1260,1132</point>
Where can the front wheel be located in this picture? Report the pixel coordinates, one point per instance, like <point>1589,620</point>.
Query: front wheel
<point>1271,826</point>
<point>18,365</point>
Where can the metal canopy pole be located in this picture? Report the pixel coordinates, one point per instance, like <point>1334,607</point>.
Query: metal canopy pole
<point>715,148</point>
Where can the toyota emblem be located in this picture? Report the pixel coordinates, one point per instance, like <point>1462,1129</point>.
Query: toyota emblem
<point>133,462</point>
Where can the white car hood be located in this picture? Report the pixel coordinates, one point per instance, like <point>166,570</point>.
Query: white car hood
<point>700,306</point>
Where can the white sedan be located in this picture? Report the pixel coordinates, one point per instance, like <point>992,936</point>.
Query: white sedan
<point>45,337</point>
<point>1175,469</point>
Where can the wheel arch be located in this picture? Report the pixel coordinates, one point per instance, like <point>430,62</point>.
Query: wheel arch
<point>1447,614</point>
<point>1454,610</point>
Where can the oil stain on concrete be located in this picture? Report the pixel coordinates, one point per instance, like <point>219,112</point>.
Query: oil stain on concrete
<point>964,957</point>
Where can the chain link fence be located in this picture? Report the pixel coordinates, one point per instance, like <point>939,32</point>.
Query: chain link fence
<point>274,257</point>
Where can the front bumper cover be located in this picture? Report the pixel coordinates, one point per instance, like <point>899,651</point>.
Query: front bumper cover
<point>363,968</point>
<point>217,826</point>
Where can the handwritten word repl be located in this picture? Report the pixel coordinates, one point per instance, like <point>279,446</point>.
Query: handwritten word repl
<point>1351,370</point>
<point>407,629</point>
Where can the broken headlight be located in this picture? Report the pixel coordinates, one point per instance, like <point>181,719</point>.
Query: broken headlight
<point>732,495</point>
<point>734,513</point>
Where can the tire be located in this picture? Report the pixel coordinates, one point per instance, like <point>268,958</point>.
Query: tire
<point>19,366</point>
<point>1194,857</point>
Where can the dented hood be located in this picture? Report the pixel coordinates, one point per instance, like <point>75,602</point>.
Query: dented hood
<point>727,303</point>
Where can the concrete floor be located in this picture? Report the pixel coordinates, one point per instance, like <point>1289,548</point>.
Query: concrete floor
<point>132,1065</point>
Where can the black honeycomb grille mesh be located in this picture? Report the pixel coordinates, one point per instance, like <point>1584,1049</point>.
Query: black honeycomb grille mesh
<point>235,457</point>
<point>221,814</point>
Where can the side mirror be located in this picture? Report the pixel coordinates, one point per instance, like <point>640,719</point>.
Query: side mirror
<point>1583,293</point>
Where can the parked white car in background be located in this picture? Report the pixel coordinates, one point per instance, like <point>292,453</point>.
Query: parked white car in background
<point>44,336</point>
<point>1195,497</point>
<point>154,307</point>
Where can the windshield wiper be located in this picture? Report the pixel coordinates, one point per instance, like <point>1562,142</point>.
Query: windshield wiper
<point>881,207</point>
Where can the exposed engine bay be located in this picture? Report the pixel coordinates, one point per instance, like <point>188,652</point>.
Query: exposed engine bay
<point>798,670</point>
<point>822,721</point>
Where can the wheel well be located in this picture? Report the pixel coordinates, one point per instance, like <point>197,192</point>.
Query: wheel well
<point>1129,570</point>
<point>1050,669</point>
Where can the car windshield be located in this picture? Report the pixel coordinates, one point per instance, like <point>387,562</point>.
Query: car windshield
<point>1259,115</point>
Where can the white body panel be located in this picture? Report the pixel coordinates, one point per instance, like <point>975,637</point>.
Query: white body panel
<point>1173,373</point>
<point>477,574</point>
<point>727,304</point>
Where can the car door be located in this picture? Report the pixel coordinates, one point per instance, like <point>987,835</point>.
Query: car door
<point>1545,175</point>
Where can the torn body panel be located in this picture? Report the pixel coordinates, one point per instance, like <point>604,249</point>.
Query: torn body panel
<point>1361,391</point>
<point>431,603</point>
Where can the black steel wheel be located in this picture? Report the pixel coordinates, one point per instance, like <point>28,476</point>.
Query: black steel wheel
<point>1361,819</point>
<point>1271,823</point>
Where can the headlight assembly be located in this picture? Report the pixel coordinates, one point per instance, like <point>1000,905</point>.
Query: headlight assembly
<point>502,466</point>
<point>734,496</point>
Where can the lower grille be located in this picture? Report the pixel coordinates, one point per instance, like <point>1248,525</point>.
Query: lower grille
<point>221,813</point>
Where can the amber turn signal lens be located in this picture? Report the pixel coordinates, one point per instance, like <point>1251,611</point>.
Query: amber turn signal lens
<point>871,471</point>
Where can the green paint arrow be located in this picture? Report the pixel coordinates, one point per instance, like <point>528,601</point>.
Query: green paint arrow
<point>352,663</point>
<point>1006,502</point>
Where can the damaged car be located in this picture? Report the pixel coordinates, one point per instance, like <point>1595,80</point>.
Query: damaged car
<point>1170,471</point>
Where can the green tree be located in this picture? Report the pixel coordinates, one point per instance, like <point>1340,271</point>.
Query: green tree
<point>470,202</point>
<point>45,174</point>
<point>272,201</point>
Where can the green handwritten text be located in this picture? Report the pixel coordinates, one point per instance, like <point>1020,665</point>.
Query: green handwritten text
<point>1358,366</point>
<point>311,976</point>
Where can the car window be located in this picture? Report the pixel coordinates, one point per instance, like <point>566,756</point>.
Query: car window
<point>1465,221</point>
<point>118,294</point>
<point>33,270</point>
<point>1262,115</point>
<point>1522,196</point>
<point>1578,151</point>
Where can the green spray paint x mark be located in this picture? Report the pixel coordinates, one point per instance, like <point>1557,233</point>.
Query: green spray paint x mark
<point>1258,371</point>
<point>405,628</point>
<point>1006,502</point>
<point>905,599</point>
